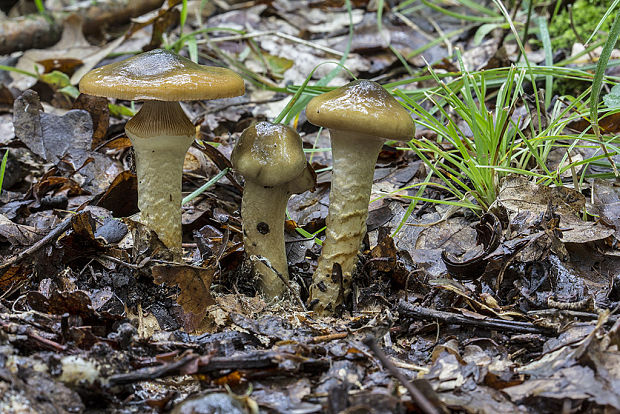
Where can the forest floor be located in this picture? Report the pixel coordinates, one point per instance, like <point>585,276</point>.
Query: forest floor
<point>460,302</point>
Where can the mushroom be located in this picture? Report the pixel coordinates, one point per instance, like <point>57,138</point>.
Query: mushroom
<point>360,116</point>
<point>160,132</point>
<point>271,159</point>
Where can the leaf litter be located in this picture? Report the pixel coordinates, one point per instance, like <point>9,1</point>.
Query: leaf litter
<point>506,312</point>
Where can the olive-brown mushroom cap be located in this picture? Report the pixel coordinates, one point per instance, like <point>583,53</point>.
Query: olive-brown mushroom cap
<point>269,154</point>
<point>161,75</point>
<point>362,106</point>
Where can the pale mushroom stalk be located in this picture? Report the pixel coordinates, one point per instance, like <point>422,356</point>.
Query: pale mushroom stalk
<point>263,210</point>
<point>271,159</point>
<point>354,157</point>
<point>360,116</point>
<point>161,134</point>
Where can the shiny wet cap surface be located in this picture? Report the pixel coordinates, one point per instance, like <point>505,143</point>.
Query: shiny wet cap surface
<point>161,75</point>
<point>362,106</point>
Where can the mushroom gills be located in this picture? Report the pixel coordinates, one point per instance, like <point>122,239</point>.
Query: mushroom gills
<point>159,166</point>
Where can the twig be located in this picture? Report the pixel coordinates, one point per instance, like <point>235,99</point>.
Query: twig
<point>273,33</point>
<point>415,311</point>
<point>118,261</point>
<point>57,231</point>
<point>30,333</point>
<point>592,317</point>
<point>420,399</point>
<point>266,262</point>
<point>328,337</point>
<point>259,360</point>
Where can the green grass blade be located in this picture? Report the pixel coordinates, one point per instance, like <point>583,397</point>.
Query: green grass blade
<point>605,16</point>
<point>413,203</point>
<point>546,41</point>
<point>183,17</point>
<point>3,168</point>
<point>475,5</point>
<point>460,16</point>
<point>205,186</point>
<point>598,83</point>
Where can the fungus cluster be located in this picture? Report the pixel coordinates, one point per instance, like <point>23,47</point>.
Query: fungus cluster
<point>360,116</point>
<point>161,132</point>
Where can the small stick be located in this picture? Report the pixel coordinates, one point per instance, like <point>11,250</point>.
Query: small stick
<point>266,262</point>
<point>420,399</point>
<point>328,337</point>
<point>195,364</point>
<point>415,311</point>
<point>277,34</point>
<point>61,228</point>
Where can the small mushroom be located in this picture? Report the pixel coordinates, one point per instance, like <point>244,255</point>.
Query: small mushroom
<point>271,159</point>
<point>160,132</point>
<point>360,116</point>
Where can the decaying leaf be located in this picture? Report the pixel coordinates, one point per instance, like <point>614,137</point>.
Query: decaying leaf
<point>63,140</point>
<point>194,284</point>
<point>530,201</point>
<point>18,234</point>
<point>97,107</point>
<point>50,136</point>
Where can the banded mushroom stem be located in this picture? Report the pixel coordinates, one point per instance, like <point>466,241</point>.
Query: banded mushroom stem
<point>161,134</point>
<point>263,210</point>
<point>354,156</point>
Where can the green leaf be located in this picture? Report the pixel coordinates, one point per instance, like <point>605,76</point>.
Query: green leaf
<point>56,79</point>
<point>120,111</point>
<point>278,65</point>
<point>612,99</point>
<point>484,30</point>
<point>71,91</point>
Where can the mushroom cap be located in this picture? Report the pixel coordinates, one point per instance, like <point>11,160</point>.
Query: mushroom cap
<point>269,154</point>
<point>161,75</point>
<point>362,106</point>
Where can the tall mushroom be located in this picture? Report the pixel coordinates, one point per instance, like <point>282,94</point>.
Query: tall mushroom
<point>160,132</point>
<point>271,159</point>
<point>360,116</point>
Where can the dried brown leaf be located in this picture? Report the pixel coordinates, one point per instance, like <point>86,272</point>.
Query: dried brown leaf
<point>194,283</point>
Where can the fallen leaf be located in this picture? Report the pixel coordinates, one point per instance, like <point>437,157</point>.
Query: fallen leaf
<point>194,283</point>
<point>50,136</point>
<point>18,234</point>
<point>121,197</point>
<point>63,140</point>
<point>97,107</point>
<point>530,201</point>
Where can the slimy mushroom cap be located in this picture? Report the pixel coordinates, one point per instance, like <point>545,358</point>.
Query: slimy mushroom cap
<point>269,154</point>
<point>362,106</point>
<point>163,76</point>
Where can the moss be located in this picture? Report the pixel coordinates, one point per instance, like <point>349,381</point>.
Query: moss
<point>586,15</point>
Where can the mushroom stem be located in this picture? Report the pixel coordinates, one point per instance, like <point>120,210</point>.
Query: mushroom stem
<point>263,210</point>
<point>354,156</point>
<point>161,134</point>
